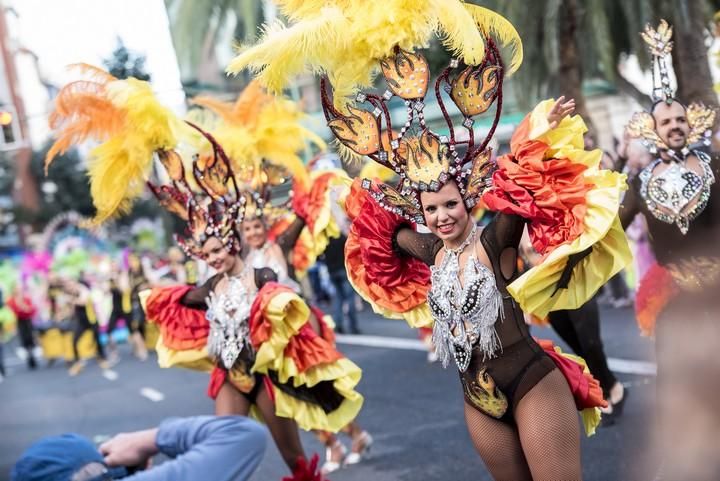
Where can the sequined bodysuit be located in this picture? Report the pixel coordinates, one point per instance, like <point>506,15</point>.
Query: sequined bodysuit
<point>228,314</point>
<point>504,361</point>
<point>692,254</point>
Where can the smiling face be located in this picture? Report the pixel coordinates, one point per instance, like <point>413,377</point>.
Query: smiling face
<point>445,214</point>
<point>254,232</point>
<point>217,256</point>
<point>671,124</point>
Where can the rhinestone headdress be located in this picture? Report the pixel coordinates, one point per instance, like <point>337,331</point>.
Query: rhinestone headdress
<point>263,137</point>
<point>642,125</point>
<point>350,41</point>
<point>216,210</point>
<point>423,159</point>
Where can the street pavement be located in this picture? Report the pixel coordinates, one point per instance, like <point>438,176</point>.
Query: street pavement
<point>412,409</point>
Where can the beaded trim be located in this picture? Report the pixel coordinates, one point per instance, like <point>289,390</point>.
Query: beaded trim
<point>653,193</point>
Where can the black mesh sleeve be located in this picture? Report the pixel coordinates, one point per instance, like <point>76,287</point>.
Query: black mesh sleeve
<point>630,205</point>
<point>263,276</point>
<point>421,246</point>
<point>287,239</point>
<point>504,231</point>
<point>195,298</point>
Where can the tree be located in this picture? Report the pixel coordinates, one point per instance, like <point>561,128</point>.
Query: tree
<point>197,26</point>
<point>124,63</point>
<point>64,189</point>
<point>569,41</point>
<point>690,20</point>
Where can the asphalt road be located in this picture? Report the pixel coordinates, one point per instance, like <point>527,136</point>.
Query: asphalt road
<point>413,409</point>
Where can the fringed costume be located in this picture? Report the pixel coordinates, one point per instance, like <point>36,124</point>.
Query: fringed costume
<point>548,183</point>
<point>245,329</point>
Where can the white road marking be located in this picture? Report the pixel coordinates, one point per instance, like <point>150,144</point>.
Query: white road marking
<point>110,375</point>
<point>624,366</point>
<point>628,366</point>
<point>152,394</point>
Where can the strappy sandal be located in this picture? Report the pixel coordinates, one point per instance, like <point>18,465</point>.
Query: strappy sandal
<point>365,441</point>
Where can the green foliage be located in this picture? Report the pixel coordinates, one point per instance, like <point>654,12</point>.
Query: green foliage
<point>72,191</point>
<point>125,63</point>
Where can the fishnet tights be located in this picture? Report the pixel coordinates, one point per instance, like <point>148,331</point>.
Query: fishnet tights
<point>544,443</point>
<point>284,431</point>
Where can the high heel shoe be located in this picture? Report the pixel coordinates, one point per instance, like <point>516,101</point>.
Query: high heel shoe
<point>365,441</point>
<point>608,419</point>
<point>332,463</point>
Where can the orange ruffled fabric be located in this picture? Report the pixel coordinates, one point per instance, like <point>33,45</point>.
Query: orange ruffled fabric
<point>657,288</point>
<point>384,278</point>
<point>306,348</point>
<point>548,192</point>
<point>316,198</point>
<point>181,327</point>
<point>585,388</point>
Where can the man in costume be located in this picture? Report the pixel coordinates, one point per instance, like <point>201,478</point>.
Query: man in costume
<point>678,300</point>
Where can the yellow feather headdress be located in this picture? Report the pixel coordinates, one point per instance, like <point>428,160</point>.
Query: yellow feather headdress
<point>130,123</point>
<point>346,39</point>
<point>262,136</point>
<point>135,129</point>
<point>350,41</point>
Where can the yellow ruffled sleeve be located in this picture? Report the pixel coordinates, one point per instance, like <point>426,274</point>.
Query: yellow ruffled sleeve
<point>298,359</point>
<point>572,208</point>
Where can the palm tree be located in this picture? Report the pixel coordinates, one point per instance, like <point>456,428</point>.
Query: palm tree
<point>691,20</point>
<point>568,41</point>
<point>198,25</point>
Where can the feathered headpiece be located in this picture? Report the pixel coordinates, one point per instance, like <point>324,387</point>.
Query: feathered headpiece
<point>351,40</point>
<point>135,129</point>
<point>130,123</point>
<point>262,136</point>
<point>642,125</point>
<point>217,210</point>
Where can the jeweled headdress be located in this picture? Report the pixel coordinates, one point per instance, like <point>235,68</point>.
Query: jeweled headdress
<point>262,136</point>
<point>423,159</point>
<point>642,125</point>
<point>349,41</point>
<point>216,210</point>
<point>135,130</point>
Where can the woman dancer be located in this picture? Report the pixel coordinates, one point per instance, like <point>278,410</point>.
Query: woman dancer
<point>265,253</point>
<point>255,337</point>
<point>519,408</point>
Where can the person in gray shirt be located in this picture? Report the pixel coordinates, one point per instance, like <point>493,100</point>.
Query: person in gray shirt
<point>220,448</point>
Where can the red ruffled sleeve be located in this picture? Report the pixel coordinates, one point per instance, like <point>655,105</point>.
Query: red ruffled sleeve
<point>181,327</point>
<point>305,347</point>
<point>393,284</point>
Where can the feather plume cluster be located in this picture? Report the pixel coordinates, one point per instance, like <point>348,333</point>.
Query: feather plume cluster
<point>257,127</point>
<point>130,124</point>
<point>346,39</point>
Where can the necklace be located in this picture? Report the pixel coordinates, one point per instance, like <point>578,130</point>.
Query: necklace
<point>456,251</point>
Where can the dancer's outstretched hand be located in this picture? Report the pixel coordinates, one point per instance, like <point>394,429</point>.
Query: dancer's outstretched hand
<point>560,110</point>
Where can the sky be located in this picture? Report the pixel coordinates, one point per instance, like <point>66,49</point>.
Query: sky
<point>62,32</point>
